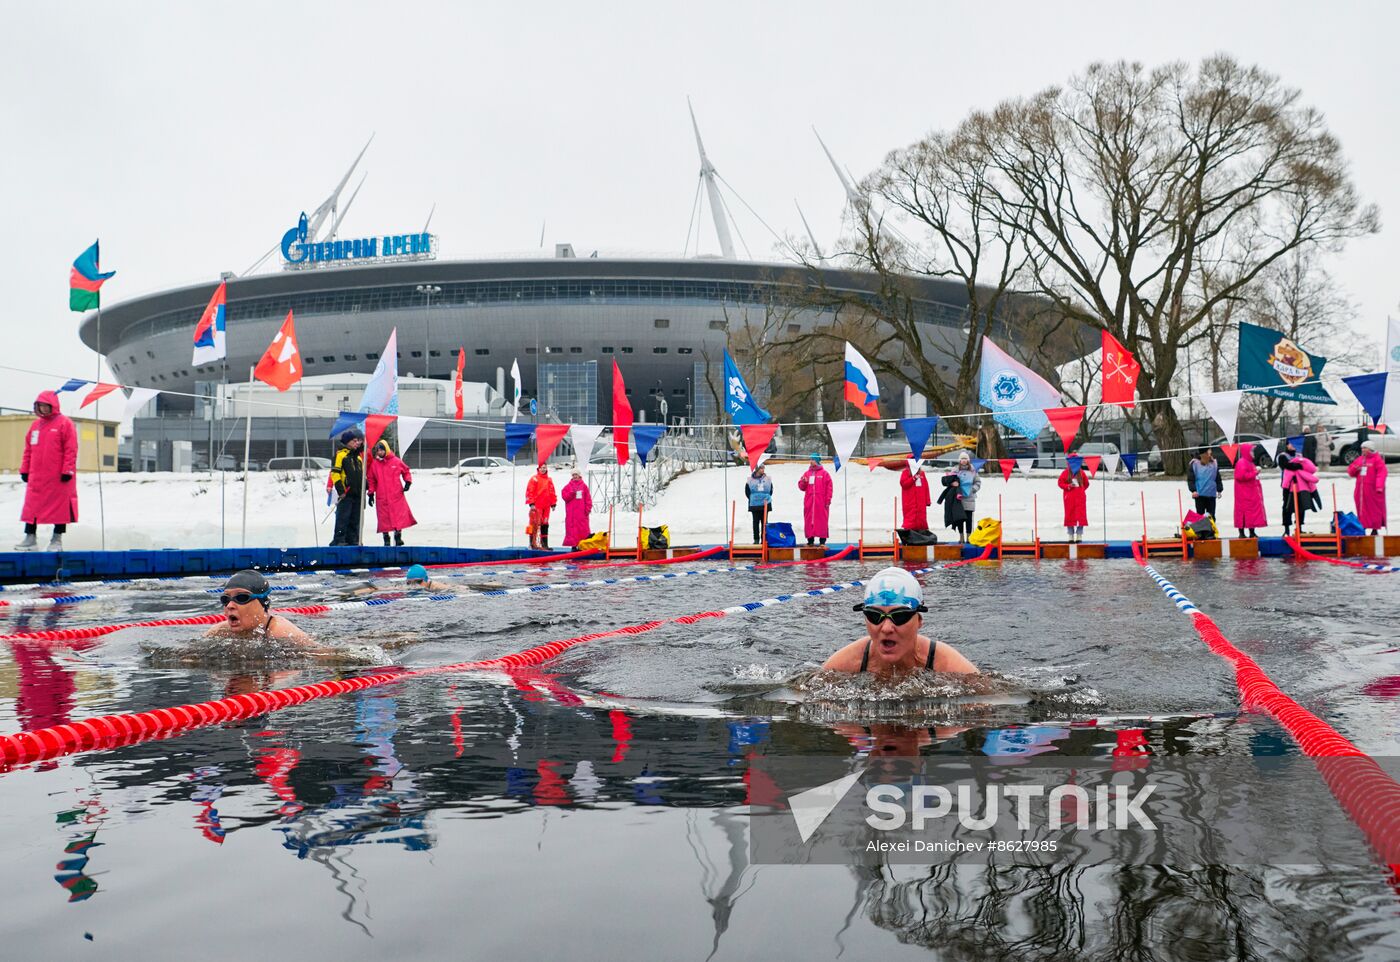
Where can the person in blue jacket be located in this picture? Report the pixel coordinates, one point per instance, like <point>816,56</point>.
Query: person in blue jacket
<point>759,491</point>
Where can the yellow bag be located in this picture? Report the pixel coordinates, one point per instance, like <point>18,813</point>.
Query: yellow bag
<point>658,537</point>
<point>594,542</point>
<point>988,531</point>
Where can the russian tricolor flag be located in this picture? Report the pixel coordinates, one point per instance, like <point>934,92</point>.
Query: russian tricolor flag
<point>209,332</point>
<point>862,389</point>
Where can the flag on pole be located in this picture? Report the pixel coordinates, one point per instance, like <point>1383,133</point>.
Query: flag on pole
<point>382,392</point>
<point>1016,395</point>
<point>743,409</point>
<point>515,379</point>
<point>457,381</point>
<point>1120,372</point>
<point>209,332</point>
<point>622,414</point>
<point>280,365</point>
<point>98,393</point>
<point>85,281</point>
<point>862,389</point>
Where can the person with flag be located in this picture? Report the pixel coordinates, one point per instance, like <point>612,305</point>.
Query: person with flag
<point>817,490</point>
<point>389,479</point>
<point>48,468</point>
<point>914,496</point>
<point>540,496</point>
<point>348,477</point>
<point>1074,486</point>
<point>578,505</point>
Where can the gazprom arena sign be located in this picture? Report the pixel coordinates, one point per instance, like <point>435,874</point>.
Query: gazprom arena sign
<point>298,253</point>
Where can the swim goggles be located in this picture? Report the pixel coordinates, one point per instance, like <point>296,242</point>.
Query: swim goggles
<point>900,616</point>
<point>244,597</point>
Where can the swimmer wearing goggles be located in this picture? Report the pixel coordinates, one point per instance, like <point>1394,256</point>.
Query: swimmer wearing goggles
<point>244,603</point>
<point>893,608</point>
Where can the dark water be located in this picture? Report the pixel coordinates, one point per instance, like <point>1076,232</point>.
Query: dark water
<point>597,809</point>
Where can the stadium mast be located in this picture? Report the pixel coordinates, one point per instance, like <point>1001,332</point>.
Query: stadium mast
<point>330,205</point>
<point>707,174</point>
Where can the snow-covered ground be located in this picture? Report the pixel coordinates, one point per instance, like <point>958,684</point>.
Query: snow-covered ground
<point>193,511</point>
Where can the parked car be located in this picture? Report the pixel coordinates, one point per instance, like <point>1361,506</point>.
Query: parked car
<point>304,467</point>
<point>1056,459</point>
<point>482,463</point>
<point>1346,445</point>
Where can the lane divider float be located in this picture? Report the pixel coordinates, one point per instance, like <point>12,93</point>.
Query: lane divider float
<point>1302,552</point>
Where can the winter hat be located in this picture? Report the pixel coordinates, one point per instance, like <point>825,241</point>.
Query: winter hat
<point>416,573</point>
<point>817,458</point>
<point>348,436</point>
<point>1368,445</point>
<point>893,586</point>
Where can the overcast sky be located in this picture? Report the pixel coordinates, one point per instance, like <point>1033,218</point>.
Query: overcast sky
<point>188,137</point>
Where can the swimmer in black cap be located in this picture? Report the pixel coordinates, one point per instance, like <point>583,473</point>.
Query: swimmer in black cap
<point>244,601</point>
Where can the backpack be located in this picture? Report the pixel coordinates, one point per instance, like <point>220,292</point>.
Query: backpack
<point>1202,529</point>
<point>1348,524</point>
<point>657,538</point>
<point>988,531</point>
<point>594,542</point>
<point>916,536</point>
<point>781,535</point>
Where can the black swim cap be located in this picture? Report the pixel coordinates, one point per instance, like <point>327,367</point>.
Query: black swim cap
<point>251,582</point>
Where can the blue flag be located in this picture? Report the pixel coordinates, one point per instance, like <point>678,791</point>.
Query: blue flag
<point>73,383</point>
<point>1297,442</point>
<point>1129,462</point>
<point>348,421</point>
<point>1369,390</point>
<point>516,436</point>
<point>1075,463</point>
<point>1016,395</point>
<point>977,464</point>
<point>737,399</point>
<point>918,431</point>
<point>644,438</point>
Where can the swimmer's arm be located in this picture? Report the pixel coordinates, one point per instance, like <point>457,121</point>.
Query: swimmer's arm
<point>847,659</point>
<point>949,659</point>
<point>284,630</point>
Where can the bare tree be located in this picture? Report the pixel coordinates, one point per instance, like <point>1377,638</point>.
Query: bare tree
<point>1124,181</point>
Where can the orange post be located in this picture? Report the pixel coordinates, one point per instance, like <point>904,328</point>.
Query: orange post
<point>1035,521</point>
<point>1297,517</point>
<point>1143,501</point>
<point>1001,529</point>
<point>1181,525</point>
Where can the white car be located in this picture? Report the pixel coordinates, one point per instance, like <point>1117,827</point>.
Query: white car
<point>1346,445</point>
<point>482,463</point>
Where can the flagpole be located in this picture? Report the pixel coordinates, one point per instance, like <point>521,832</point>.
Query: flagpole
<point>97,416</point>
<point>306,468</point>
<point>247,445</point>
<point>512,501</point>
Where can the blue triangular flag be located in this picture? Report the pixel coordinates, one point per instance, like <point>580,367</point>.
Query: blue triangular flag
<point>918,431</point>
<point>73,383</point>
<point>1297,442</point>
<point>644,438</point>
<point>977,464</point>
<point>1075,463</point>
<point>1129,462</point>
<point>1370,392</point>
<point>516,436</point>
<point>348,421</point>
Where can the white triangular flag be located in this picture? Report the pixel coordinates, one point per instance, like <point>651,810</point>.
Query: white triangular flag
<point>409,429</point>
<point>844,435</point>
<point>136,400</point>
<point>1025,465</point>
<point>1110,463</point>
<point>916,465</point>
<point>583,437</point>
<point>1224,407</point>
<point>1270,446</point>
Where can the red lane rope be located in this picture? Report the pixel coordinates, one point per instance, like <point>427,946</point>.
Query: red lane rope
<point>1302,552</point>
<point>97,631</point>
<point>814,561</point>
<point>514,561</point>
<point>708,552</point>
<point>1370,797</point>
<point>985,555</point>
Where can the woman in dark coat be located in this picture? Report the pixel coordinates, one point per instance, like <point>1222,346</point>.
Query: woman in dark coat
<point>953,514</point>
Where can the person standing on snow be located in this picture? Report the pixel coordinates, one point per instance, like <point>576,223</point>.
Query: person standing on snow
<point>759,490</point>
<point>816,501</point>
<point>348,478</point>
<point>540,496</point>
<point>1075,487</point>
<point>578,505</point>
<point>1249,494</point>
<point>48,468</point>
<point>1370,473</point>
<point>383,475</point>
<point>914,497</point>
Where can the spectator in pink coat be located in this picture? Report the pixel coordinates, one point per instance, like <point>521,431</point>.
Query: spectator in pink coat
<point>816,501</point>
<point>48,468</point>
<point>383,476</point>
<point>1249,494</point>
<point>1299,486</point>
<point>578,505</point>
<point>1370,474</point>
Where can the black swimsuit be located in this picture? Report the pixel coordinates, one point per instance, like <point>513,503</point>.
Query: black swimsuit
<point>928,665</point>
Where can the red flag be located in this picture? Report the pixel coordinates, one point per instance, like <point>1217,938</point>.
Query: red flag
<point>280,365</point>
<point>547,438</point>
<point>1007,465</point>
<point>1231,451</point>
<point>1120,372</point>
<point>97,393</point>
<point>756,438</point>
<point>622,414</point>
<point>1092,462</point>
<point>457,380</point>
<point>374,428</point>
<point>1066,422</point>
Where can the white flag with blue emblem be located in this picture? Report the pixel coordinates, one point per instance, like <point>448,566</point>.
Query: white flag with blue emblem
<point>1016,395</point>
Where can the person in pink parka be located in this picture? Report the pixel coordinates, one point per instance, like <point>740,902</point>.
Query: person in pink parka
<point>1299,482</point>
<point>816,501</point>
<point>48,468</point>
<point>383,477</point>
<point>1370,473</point>
<point>1249,494</point>
<point>578,505</point>
<point>1075,486</point>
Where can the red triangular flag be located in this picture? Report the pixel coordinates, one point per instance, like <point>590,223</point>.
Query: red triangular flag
<point>547,438</point>
<point>1007,465</point>
<point>1092,462</point>
<point>1120,372</point>
<point>280,365</point>
<point>756,438</point>
<point>100,391</point>
<point>457,380</point>
<point>622,414</point>
<point>1231,451</point>
<point>374,428</point>
<point>1066,422</point>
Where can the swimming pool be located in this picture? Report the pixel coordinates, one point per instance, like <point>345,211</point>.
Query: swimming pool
<point>595,806</point>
